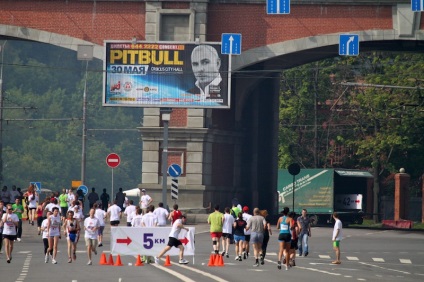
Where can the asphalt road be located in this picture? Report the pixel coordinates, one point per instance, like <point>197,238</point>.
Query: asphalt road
<point>367,255</point>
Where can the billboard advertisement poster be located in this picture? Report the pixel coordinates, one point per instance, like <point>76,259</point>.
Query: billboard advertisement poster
<point>171,75</point>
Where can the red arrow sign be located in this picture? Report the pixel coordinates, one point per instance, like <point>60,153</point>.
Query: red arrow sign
<point>124,241</point>
<point>113,160</point>
<point>184,241</point>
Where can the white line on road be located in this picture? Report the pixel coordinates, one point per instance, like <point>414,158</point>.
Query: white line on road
<point>376,266</point>
<point>352,258</point>
<point>173,273</point>
<point>324,256</point>
<point>378,259</point>
<point>405,261</point>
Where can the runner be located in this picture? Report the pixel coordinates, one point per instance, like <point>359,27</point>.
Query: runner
<point>32,196</point>
<point>162,214</point>
<point>284,238</point>
<point>40,218</point>
<point>337,237</point>
<point>239,227</point>
<point>215,220</point>
<point>45,237</point>
<point>175,214</point>
<point>136,221</point>
<point>173,240</point>
<point>256,224</point>
<point>129,212</point>
<point>246,246</point>
<point>227,231</point>
<point>18,209</point>
<point>2,211</point>
<point>63,203</point>
<point>71,228</point>
<point>100,214</point>
<point>53,232</point>
<point>91,226</point>
<point>267,232</point>
<point>294,230</point>
<point>114,212</point>
<point>10,222</point>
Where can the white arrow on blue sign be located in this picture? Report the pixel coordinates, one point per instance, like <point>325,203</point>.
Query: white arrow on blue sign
<point>84,189</point>
<point>349,45</point>
<point>277,7</point>
<point>417,5</point>
<point>37,186</point>
<point>174,170</point>
<point>231,43</point>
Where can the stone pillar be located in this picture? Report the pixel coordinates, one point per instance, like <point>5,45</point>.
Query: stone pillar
<point>401,195</point>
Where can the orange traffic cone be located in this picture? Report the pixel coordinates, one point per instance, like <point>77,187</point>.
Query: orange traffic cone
<point>211,260</point>
<point>217,260</point>
<point>118,261</point>
<point>110,262</point>
<point>103,259</point>
<point>167,261</point>
<point>220,260</point>
<point>138,262</point>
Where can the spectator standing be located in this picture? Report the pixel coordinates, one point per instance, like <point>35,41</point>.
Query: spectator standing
<point>14,194</point>
<point>93,197</point>
<point>145,201</point>
<point>104,197</point>
<point>5,196</point>
<point>337,237</point>
<point>120,199</point>
<point>162,214</point>
<point>304,225</point>
<point>129,212</point>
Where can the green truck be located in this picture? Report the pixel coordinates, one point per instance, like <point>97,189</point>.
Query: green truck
<point>324,191</point>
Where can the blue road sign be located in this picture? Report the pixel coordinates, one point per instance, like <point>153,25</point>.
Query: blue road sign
<point>277,7</point>
<point>349,45</point>
<point>417,5</point>
<point>37,186</point>
<point>84,189</point>
<point>174,170</point>
<point>231,43</point>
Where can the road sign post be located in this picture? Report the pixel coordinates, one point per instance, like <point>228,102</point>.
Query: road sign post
<point>37,186</point>
<point>113,160</point>
<point>278,7</point>
<point>417,5</point>
<point>174,189</point>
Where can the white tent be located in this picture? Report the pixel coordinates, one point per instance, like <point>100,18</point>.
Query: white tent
<point>132,192</point>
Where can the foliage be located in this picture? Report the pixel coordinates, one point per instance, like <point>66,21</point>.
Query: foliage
<point>43,84</point>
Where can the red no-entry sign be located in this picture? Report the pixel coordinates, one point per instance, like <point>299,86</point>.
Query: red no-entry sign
<point>113,160</point>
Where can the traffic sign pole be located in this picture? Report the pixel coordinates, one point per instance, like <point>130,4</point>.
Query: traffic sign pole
<point>113,160</point>
<point>112,185</point>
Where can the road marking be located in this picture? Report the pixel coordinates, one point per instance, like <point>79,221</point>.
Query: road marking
<point>173,273</point>
<point>271,254</point>
<point>405,261</point>
<point>361,279</point>
<point>204,273</point>
<point>378,259</point>
<point>376,266</point>
<point>352,258</point>
<point>324,256</point>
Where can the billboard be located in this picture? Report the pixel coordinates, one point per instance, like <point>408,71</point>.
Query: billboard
<point>165,74</point>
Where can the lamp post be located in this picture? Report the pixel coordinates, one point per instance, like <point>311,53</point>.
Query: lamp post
<point>84,53</point>
<point>1,110</point>
<point>166,116</point>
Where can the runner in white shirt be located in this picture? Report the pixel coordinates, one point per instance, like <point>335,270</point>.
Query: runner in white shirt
<point>53,230</point>
<point>149,219</point>
<point>114,213</point>
<point>45,237</point>
<point>136,221</point>
<point>100,214</point>
<point>91,226</point>
<point>227,231</point>
<point>246,246</point>
<point>10,222</point>
<point>130,212</point>
<point>71,198</point>
<point>162,215</point>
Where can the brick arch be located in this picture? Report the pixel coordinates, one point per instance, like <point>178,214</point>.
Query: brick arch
<point>264,54</point>
<point>52,38</point>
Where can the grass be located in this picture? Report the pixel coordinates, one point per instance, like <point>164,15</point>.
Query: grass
<point>370,224</point>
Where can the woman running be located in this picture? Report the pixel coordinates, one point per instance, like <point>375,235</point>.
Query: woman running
<point>32,203</point>
<point>40,218</point>
<point>71,228</point>
<point>239,237</point>
<point>53,231</point>
<point>45,236</point>
<point>284,238</point>
<point>10,223</point>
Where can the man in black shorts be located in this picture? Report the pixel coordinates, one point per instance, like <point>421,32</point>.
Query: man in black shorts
<point>174,241</point>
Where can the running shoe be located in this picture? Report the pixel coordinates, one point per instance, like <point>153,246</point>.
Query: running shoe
<point>19,239</point>
<point>262,260</point>
<point>223,253</point>
<point>156,260</point>
<point>306,254</point>
<point>89,262</point>
<point>279,264</point>
<point>69,260</point>
<point>100,245</point>
<point>287,268</point>
<point>226,255</point>
<point>95,252</point>
<point>8,260</point>
<point>244,255</point>
<point>54,261</point>
<point>183,261</point>
<point>239,258</point>
<point>256,264</point>
<point>46,259</point>
<point>74,256</point>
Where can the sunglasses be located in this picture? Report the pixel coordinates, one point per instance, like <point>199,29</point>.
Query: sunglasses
<point>10,209</point>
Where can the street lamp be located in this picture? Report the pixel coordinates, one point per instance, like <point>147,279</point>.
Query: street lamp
<point>1,110</point>
<point>84,53</point>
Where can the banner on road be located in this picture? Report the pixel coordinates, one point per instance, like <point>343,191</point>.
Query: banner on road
<point>149,241</point>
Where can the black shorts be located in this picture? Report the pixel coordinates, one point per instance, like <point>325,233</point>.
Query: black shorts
<point>173,242</point>
<point>226,235</point>
<point>247,238</point>
<point>114,222</point>
<point>32,209</point>
<point>284,237</point>
<point>39,221</point>
<point>9,237</point>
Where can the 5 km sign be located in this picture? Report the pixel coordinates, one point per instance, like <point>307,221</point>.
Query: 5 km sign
<point>113,160</point>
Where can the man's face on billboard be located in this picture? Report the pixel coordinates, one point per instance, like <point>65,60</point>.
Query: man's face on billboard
<point>205,63</point>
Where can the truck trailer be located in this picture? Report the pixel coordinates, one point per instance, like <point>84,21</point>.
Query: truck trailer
<point>324,191</point>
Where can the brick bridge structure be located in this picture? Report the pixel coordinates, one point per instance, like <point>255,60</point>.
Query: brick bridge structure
<point>224,153</point>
